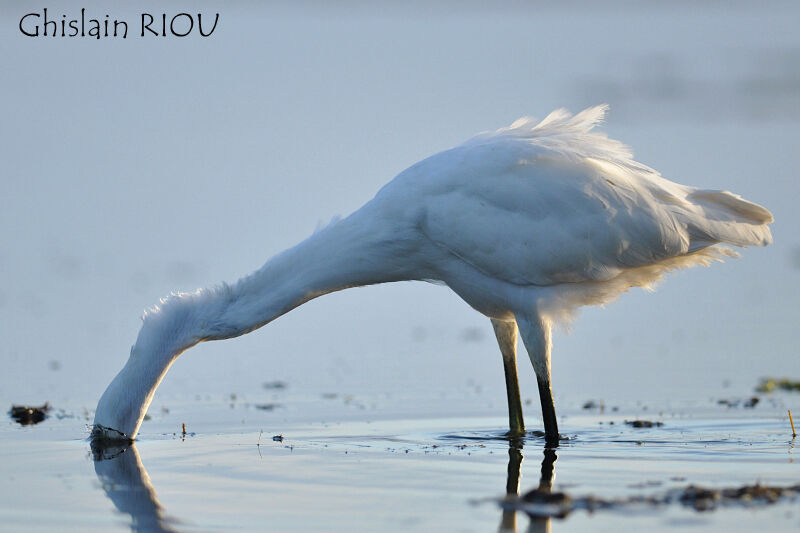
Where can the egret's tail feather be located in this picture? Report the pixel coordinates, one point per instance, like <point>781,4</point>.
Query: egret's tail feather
<point>733,202</point>
<point>728,218</point>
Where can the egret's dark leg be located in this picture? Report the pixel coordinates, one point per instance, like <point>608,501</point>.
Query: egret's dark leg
<point>535,333</point>
<point>548,411</point>
<point>506,333</point>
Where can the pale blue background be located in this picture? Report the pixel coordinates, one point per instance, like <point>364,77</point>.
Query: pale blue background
<point>134,168</point>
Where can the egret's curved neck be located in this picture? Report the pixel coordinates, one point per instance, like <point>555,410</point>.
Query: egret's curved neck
<point>356,251</point>
<point>362,249</point>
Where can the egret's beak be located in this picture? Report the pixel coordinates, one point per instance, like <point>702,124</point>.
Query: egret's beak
<point>103,434</point>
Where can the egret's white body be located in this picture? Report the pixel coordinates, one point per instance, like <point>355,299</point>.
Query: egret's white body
<point>525,224</point>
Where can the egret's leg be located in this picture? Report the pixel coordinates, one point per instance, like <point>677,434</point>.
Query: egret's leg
<point>506,333</point>
<point>535,333</point>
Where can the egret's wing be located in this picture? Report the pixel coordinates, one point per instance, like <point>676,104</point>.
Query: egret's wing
<point>545,219</point>
<point>554,202</point>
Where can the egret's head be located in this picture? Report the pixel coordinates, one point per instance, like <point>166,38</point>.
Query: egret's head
<point>124,403</point>
<point>166,332</point>
<point>114,418</point>
<point>102,435</point>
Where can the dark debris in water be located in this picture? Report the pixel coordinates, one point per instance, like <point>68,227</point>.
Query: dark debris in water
<point>266,406</point>
<point>27,416</point>
<point>785,384</point>
<point>748,403</point>
<point>643,423</point>
<point>274,385</point>
<point>544,503</point>
<point>591,404</point>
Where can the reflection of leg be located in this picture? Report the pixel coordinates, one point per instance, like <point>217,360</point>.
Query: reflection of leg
<point>548,470</point>
<point>543,524</point>
<point>506,333</point>
<point>508,521</point>
<point>514,464</point>
<point>540,524</point>
<point>535,333</point>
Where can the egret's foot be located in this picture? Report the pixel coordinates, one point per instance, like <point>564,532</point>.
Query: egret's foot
<point>551,441</point>
<point>106,435</point>
<point>515,434</point>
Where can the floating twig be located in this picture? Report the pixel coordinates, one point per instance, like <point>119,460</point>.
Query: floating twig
<point>794,433</point>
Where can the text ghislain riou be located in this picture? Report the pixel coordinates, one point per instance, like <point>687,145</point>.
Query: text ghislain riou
<point>151,25</point>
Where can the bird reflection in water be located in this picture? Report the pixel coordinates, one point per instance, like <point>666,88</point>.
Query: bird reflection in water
<point>538,524</point>
<point>126,483</point>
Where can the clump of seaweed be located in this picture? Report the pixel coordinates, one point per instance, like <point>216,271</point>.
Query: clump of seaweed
<point>769,384</point>
<point>543,503</point>
<point>748,403</point>
<point>266,406</point>
<point>27,416</point>
<point>644,423</point>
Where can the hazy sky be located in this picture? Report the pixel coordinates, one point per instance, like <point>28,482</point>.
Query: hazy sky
<point>135,167</point>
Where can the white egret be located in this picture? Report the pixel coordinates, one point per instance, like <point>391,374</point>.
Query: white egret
<point>526,224</point>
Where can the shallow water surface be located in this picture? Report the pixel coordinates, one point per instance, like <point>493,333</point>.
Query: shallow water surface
<point>445,474</point>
